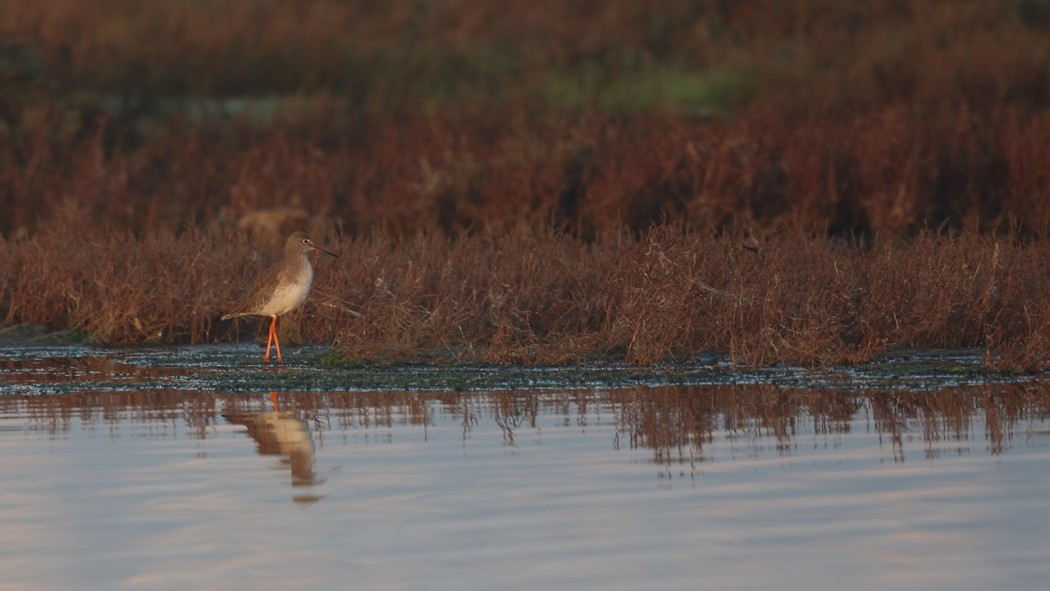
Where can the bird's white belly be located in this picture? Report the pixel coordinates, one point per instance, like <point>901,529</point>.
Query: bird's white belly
<point>287,297</point>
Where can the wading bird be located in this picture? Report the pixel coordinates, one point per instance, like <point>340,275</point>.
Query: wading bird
<point>280,289</point>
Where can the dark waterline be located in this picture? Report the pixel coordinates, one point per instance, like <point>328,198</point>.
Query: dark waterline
<point>51,369</point>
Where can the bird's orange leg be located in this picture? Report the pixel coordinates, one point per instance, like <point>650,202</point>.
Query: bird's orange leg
<point>270,336</point>
<point>277,343</point>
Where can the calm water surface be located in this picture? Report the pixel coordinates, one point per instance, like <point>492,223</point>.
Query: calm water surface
<point>737,486</point>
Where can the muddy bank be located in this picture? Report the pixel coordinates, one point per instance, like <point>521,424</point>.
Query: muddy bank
<point>41,367</point>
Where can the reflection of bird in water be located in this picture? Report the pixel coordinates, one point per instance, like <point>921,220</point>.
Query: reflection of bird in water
<point>278,433</point>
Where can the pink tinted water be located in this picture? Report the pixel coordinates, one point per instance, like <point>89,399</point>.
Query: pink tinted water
<point>655,488</point>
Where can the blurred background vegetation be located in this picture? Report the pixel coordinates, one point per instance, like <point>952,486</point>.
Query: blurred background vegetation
<point>143,113</point>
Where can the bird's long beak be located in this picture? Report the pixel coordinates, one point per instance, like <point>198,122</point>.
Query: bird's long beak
<point>327,252</point>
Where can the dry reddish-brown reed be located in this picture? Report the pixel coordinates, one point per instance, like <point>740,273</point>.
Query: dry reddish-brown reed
<point>890,173</point>
<point>442,159</point>
<point>530,296</point>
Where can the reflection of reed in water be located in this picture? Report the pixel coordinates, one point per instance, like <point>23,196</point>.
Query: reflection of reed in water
<point>282,433</point>
<point>677,423</point>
